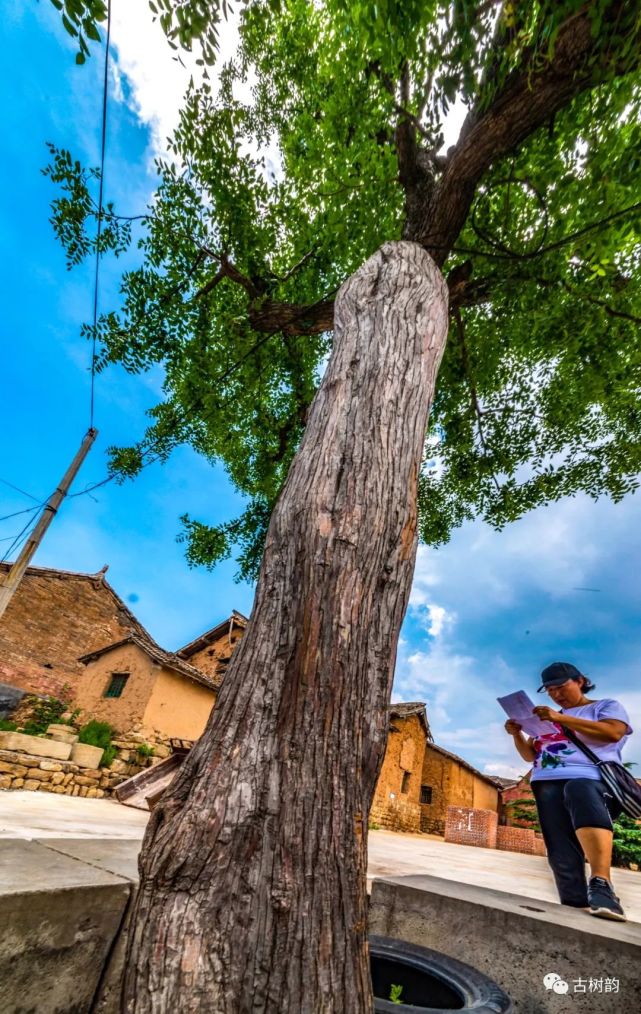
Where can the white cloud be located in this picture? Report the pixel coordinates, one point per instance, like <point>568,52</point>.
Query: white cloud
<point>438,617</point>
<point>425,578</point>
<point>488,610</point>
<point>148,75</point>
<point>155,80</point>
<point>504,770</point>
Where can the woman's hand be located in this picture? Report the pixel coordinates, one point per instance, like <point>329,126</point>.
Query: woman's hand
<point>524,746</point>
<point>512,727</point>
<point>548,714</point>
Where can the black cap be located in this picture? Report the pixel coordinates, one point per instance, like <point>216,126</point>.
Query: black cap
<point>557,673</point>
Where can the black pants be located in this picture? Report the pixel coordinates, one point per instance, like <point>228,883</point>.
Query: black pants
<point>565,804</point>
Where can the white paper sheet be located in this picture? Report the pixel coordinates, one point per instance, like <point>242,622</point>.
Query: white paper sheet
<point>519,707</point>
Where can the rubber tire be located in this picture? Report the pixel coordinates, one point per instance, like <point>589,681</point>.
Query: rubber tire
<point>479,993</point>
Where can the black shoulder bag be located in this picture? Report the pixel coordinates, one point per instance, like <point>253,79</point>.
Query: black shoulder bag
<point>620,783</point>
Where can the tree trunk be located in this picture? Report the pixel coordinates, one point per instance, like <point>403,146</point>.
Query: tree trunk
<point>252,889</point>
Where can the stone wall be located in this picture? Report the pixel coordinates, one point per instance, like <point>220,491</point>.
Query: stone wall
<point>39,774</point>
<point>20,770</point>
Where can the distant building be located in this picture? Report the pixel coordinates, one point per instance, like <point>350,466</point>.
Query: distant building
<point>134,684</point>
<point>212,650</point>
<point>396,803</point>
<point>518,792</point>
<point>448,780</point>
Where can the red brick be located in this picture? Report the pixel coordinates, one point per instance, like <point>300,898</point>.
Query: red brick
<point>465,825</point>
<point>516,839</point>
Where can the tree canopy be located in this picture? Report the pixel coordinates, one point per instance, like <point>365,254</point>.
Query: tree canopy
<point>324,137</point>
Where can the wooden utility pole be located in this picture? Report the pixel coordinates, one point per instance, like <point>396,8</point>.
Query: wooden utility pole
<point>14,577</point>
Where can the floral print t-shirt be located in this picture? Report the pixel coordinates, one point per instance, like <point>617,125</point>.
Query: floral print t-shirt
<point>557,757</point>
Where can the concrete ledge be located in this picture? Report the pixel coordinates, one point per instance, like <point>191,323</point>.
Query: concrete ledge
<point>63,902</point>
<point>516,941</point>
<point>59,919</point>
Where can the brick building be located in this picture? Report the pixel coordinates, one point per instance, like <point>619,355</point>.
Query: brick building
<point>396,803</point>
<point>55,617</point>
<point>518,790</point>
<point>448,780</point>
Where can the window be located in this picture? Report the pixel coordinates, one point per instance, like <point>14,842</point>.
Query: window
<point>405,787</point>
<point>117,684</point>
<point>426,794</point>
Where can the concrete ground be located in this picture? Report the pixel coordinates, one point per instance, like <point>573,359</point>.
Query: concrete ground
<point>38,816</point>
<point>48,815</point>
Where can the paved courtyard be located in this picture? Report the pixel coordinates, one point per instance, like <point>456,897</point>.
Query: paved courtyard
<point>30,815</point>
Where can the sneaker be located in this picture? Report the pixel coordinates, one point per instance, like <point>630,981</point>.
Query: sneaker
<point>603,901</point>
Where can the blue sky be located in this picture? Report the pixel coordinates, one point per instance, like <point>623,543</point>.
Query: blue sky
<point>488,611</point>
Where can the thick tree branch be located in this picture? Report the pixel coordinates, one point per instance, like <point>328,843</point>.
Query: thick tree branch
<point>291,319</point>
<point>270,315</point>
<point>527,100</point>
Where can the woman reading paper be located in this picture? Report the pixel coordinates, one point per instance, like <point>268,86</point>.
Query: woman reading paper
<point>574,806</point>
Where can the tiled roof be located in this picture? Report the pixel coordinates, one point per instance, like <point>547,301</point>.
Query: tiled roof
<point>203,640</point>
<point>405,709</point>
<point>168,659</point>
<point>97,580</point>
<point>506,783</point>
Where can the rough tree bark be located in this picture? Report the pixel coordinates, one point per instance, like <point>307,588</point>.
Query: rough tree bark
<point>252,891</point>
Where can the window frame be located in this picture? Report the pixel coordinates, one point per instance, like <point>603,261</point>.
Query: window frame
<point>113,678</point>
<point>426,789</point>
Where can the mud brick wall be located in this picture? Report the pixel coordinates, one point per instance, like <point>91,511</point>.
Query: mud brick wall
<point>467,826</point>
<point>393,808</point>
<point>539,846</point>
<point>53,618</point>
<point>396,815</point>
<point>453,782</point>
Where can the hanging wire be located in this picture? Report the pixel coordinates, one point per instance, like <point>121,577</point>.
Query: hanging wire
<point>5,482</point>
<point>21,537</point>
<point>100,213</point>
<point>27,510</point>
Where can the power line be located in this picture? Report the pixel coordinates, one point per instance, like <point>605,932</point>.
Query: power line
<point>100,213</point>
<point>18,490</point>
<point>21,537</point>
<point>27,510</point>
<point>31,523</point>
